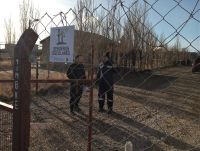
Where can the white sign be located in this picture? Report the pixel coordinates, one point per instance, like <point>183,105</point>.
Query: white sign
<point>62,44</point>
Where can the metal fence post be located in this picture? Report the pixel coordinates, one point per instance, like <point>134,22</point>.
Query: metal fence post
<point>22,77</point>
<point>91,101</point>
<point>36,86</point>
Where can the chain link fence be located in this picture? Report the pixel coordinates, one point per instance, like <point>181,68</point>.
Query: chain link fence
<point>6,117</point>
<point>156,96</point>
<point>6,126</point>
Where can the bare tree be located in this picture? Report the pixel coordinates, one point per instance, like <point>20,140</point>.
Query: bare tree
<point>134,31</point>
<point>10,35</point>
<point>79,14</point>
<point>139,36</point>
<point>83,14</point>
<point>177,48</point>
<point>27,13</point>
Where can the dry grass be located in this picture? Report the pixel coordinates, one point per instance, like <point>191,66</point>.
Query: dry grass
<point>6,88</point>
<point>5,64</point>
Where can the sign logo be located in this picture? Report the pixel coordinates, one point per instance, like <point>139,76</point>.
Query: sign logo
<point>61,36</point>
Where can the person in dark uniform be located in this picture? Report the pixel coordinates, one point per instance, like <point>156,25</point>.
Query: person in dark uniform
<point>105,80</point>
<point>76,71</point>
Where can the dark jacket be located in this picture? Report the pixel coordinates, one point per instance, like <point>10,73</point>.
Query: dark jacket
<point>105,74</point>
<point>76,71</point>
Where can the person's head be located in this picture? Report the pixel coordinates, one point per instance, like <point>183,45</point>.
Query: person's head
<point>106,57</point>
<point>79,59</point>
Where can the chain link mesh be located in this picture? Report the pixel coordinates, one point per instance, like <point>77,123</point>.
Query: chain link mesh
<point>155,101</point>
<point>6,117</point>
<point>5,130</point>
<point>156,98</point>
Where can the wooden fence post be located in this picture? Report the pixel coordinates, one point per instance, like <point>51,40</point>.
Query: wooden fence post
<point>21,87</point>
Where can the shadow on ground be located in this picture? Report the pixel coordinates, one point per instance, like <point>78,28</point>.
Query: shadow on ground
<point>144,80</point>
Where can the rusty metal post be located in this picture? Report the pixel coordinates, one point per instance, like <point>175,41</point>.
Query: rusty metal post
<point>48,73</point>
<point>91,101</point>
<point>36,86</point>
<point>22,79</point>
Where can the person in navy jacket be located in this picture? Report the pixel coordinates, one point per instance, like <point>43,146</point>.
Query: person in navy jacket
<point>105,80</point>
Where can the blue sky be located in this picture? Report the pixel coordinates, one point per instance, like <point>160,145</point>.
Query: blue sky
<point>176,17</point>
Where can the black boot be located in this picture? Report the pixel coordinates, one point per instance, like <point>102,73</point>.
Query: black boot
<point>101,108</point>
<point>77,108</point>
<point>72,109</point>
<point>110,111</point>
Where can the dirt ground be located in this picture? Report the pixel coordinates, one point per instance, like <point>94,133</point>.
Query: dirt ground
<point>155,111</point>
